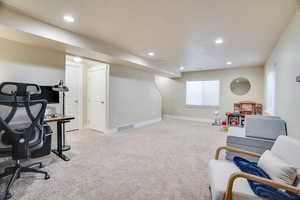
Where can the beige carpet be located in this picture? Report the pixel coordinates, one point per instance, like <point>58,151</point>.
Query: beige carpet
<point>167,160</point>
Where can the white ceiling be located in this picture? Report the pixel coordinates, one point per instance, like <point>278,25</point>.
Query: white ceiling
<point>180,32</point>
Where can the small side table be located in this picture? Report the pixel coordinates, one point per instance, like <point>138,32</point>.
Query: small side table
<point>60,120</point>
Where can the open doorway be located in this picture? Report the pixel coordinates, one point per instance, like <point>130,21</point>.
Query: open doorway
<point>87,99</point>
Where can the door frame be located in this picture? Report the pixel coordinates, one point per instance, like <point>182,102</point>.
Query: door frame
<point>106,116</point>
<point>80,89</point>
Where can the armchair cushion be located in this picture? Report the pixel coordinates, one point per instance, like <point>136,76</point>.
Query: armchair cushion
<point>263,190</point>
<point>225,174</point>
<point>219,173</point>
<point>297,182</point>
<point>277,169</point>
<point>287,149</point>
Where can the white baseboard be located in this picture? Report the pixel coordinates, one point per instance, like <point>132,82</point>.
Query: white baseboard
<point>189,118</point>
<point>146,123</point>
<point>137,125</point>
<point>111,131</point>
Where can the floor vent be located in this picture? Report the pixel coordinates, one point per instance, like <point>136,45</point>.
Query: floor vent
<point>125,127</point>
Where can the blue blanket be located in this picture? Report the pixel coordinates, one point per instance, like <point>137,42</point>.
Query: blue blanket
<point>260,189</point>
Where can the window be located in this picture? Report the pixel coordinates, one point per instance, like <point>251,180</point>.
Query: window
<point>203,93</point>
<point>270,92</point>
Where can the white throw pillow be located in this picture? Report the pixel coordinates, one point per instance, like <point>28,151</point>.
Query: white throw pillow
<point>297,182</point>
<point>277,169</point>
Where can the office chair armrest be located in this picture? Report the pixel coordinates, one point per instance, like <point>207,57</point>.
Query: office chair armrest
<point>234,176</point>
<point>235,150</point>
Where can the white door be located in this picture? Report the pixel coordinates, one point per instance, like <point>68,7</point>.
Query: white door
<point>97,98</point>
<point>73,97</point>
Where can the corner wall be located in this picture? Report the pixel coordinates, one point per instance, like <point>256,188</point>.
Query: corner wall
<point>134,97</point>
<point>28,64</point>
<point>24,63</point>
<point>285,58</point>
<point>174,90</point>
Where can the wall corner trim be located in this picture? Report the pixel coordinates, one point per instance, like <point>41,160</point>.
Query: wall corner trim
<point>204,120</point>
<point>136,125</point>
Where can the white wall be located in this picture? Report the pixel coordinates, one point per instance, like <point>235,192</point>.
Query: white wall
<point>134,97</point>
<point>173,91</point>
<point>285,59</point>
<point>24,63</point>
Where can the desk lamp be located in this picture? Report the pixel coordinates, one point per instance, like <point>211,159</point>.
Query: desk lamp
<point>61,87</point>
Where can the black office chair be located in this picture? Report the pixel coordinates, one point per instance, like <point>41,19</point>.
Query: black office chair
<point>23,134</point>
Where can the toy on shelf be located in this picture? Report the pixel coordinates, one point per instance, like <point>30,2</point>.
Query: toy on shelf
<point>224,126</point>
<point>259,109</point>
<point>248,108</point>
<point>235,119</point>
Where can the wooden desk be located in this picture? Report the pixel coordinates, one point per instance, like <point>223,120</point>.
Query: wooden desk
<point>60,120</point>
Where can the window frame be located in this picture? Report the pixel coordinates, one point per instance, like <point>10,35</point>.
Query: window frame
<point>193,106</point>
<point>270,91</point>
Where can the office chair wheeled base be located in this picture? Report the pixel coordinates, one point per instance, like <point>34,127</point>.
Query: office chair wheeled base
<point>16,171</point>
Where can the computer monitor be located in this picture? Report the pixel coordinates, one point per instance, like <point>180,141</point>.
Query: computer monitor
<point>50,95</point>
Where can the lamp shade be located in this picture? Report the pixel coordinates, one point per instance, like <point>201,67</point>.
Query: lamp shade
<point>60,87</point>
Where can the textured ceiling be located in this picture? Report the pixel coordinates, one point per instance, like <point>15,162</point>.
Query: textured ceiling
<point>181,33</point>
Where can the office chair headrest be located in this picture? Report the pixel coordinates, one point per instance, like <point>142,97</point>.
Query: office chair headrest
<point>20,89</point>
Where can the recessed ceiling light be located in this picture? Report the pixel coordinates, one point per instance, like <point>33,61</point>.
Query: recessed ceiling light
<point>181,68</point>
<point>69,18</point>
<point>151,54</point>
<point>219,41</point>
<point>229,63</point>
<point>77,59</point>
